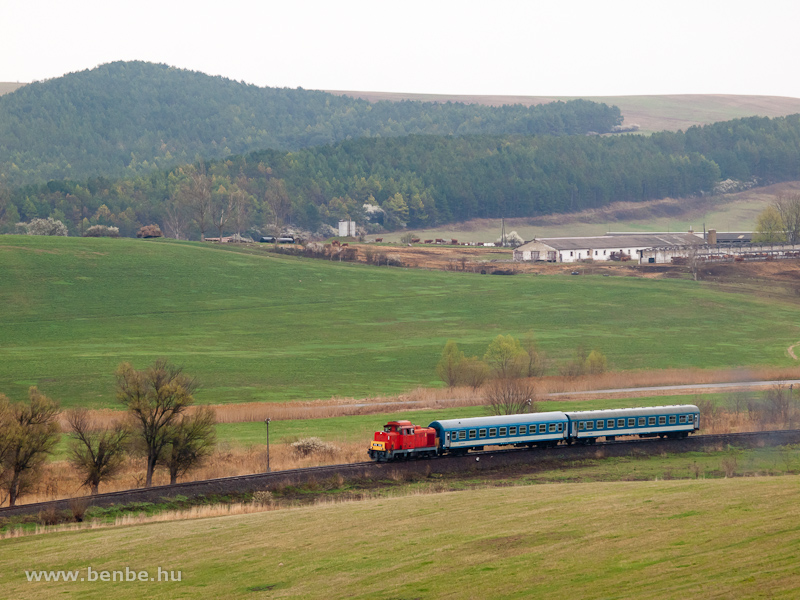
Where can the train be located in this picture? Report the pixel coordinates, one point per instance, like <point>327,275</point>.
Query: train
<point>402,440</point>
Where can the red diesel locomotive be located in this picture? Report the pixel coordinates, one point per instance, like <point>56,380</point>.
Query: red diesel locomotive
<point>402,439</point>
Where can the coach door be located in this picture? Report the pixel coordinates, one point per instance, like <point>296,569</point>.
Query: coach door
<point>446,439</point>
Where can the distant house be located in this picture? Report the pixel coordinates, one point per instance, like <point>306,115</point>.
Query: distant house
<point>600,248</point>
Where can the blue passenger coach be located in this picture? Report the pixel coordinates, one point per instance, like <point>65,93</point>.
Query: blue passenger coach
<point>458,436</point>
<point>663,421</point>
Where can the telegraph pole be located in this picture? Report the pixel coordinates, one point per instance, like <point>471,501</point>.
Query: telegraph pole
<point>266,422</point>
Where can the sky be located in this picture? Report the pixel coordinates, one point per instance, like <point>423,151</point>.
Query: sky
<point>492,47</point>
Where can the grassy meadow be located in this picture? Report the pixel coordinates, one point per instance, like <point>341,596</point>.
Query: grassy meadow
<point>265,327</point>
<point>704,538</point>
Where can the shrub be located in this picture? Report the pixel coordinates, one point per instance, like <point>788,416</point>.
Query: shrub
<point>101,231</point>
<point>48,226</point>
<point>149,231</point>
<point>311,446</point>
<point>262,498</point>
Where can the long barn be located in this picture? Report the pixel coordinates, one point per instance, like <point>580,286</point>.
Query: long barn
<point>606,247</point>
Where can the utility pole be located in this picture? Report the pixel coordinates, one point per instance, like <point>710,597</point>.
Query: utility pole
<point>503,232</point>
<point>267,421</point>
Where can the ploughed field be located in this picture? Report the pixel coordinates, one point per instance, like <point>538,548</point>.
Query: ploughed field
<point>704,538</point>
<point>268,327</point>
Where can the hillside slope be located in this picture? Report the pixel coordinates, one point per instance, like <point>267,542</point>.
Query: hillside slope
<point>262,327</point>
<point>129,117</point>
<point>651,113</point>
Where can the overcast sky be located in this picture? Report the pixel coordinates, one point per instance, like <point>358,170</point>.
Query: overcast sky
<point>553,47</point>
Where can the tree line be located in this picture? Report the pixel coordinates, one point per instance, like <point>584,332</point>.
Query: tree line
<point>129,118</point>
<point>417,181</point>
<point>157,426</point>
<point>507,370</point>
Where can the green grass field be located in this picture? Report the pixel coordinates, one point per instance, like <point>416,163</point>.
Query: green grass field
<point>263,327</point>
<point>713,538</point>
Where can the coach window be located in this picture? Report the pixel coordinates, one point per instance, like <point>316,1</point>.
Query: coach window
<point>560,428</point>
<point>610,424</point>
<point>651,421</point>
<point>512,431</point>
<point>589,424</point>
<point>493,432</point>
<point>462,435</point>
<point>542,428</point>
<point>631,422</point>
<point>570,253</point>
<point>683,419</point>
<point>641,421</point>
<point>672,419</point>
<point>620,422</point>
<point>482,433</point>
<point>552,427</point>
<point>581,425</point>
<point>662,420</point>
<point>502,432</point>
<point>473,434</point>
<point>523,429</point>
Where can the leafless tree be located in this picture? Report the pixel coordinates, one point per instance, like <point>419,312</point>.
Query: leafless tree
<point>788,207</point>
<point>97,453</point>
<point>510,397</point>
<point>156,397</point>
<point>277,198</point>
<point>28,433</point>
<point>191,440</point>
<point>175,218</point>
<point>195,194</point>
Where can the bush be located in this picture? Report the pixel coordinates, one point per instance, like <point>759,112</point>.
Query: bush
<point>101,231</point>
<point>149,231</point>
<point>311,446</point>
<point>48,226</point>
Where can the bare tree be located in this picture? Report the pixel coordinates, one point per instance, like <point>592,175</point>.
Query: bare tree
<point>156,397</point>
<point>222,208</point>
<point>196,196</point>
<point>788,208</point>
<point>510,397</point>
<point>241,201</point>
<point>29,433</point>
<point>97,453</point>
<point>175,219</point>
<point>190,441</point>
<point>278,200</point>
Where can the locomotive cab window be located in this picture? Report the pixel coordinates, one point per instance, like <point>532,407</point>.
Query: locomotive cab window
<point>482,433</point>
<point>473,433</point>
<point>493,432</point>
<point>512,431</point>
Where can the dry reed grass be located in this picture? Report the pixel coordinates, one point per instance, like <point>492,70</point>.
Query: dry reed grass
<point>433,398</point>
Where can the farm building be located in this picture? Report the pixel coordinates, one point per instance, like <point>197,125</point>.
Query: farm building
<point>607,247</point>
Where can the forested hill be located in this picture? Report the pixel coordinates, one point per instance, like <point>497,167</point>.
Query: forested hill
<point>126,118</point>
<point>421,181</point>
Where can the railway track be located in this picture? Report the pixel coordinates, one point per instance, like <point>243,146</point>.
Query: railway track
<point>488,459</point>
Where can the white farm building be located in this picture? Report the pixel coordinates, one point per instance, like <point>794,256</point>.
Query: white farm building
<point>606,247</point>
